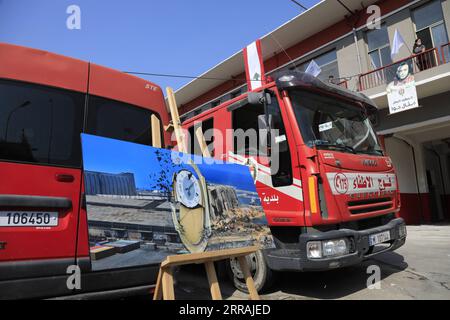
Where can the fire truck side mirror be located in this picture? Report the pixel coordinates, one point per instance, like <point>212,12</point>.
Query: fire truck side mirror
<point>262,122</point>
<point>373,115</point>
<point>264,130</point>
<point>259,98</point>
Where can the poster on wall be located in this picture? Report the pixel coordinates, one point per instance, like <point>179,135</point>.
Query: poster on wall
<point>144,204</point>
<point>402,92</point>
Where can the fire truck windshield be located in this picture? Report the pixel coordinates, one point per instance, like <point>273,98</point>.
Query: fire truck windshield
<point>329,123</point>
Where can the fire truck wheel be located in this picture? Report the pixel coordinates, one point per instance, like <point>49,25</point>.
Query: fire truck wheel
<point>263,276</point>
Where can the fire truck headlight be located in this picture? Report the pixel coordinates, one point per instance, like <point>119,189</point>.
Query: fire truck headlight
<point>314,250</point>
<point>334,248</point>
<point>327,248</point>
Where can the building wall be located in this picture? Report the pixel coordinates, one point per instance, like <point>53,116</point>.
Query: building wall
<point>348,60</point>
<point>407,156</point>
<point>304,51</point>
<point>446,10</point>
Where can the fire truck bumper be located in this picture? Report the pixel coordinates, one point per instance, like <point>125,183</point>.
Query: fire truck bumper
<point>359,242</point>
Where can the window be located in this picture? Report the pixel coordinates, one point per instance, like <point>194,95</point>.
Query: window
<point>329,123</point>
<point>430,26</point>
<point>245,118</point>
<point>207,129</point>
<point>235,94</point>
<point>328,63</point>
<point>40,125</point>
<point>379,48</point>
<point>281,163</point>
<point>118,120</point>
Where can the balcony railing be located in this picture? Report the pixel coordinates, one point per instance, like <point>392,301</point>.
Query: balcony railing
<point>417,63</point>
<point>445,50</point>
<point>343,84</point>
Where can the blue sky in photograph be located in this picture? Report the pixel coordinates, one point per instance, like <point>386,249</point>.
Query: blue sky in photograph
<point>170,37</point>
<point>114,156</point>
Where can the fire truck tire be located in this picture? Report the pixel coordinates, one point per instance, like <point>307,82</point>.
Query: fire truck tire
<point>263,276</point>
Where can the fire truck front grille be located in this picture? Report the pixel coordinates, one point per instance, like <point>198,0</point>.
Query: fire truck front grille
<point>372,205</point>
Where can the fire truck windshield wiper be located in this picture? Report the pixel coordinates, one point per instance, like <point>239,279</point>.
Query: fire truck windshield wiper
<point>327,144</point>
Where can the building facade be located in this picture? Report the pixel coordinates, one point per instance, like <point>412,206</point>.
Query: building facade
<point>351,53</point>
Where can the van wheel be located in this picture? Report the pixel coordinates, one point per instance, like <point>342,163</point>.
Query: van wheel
<point>263,276</point>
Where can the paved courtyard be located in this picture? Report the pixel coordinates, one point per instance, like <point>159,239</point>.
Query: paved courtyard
<point>419,270</point>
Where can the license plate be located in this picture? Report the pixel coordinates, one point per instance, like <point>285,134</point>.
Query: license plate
<point>379,238</point>
<point>28,219</point>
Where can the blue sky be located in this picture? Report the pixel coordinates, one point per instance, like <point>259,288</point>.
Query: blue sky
<point>114,156</point>
<point>171,36</point>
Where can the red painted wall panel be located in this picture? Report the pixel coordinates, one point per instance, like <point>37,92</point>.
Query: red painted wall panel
<point>415,210</point>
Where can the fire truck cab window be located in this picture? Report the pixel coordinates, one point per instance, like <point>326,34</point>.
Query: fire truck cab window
<point>246,119</point>
<point>117,120</point>
<point>281,167</point>
<point>207,129</point>
<point>40,125</point>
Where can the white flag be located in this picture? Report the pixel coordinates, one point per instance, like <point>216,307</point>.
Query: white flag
<point>397,44</point>
<point>313,69</point>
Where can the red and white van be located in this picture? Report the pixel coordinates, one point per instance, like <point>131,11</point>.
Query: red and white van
<point>46,102</point>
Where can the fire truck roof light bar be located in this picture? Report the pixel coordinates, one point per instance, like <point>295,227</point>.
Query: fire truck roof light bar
<point>297,79</point>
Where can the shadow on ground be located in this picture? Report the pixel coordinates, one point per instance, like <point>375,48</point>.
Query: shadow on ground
<point>191,282</point>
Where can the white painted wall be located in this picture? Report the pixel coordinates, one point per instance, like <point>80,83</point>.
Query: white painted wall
<point>402,156</point>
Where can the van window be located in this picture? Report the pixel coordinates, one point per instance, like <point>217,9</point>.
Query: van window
<point>40,125</point>
<point>118,120</point>
<point>207,126</point>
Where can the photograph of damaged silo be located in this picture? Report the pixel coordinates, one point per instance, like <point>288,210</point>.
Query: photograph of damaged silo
<point>164,203</point>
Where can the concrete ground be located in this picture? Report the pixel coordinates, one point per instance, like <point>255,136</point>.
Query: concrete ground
<point>419,270</point>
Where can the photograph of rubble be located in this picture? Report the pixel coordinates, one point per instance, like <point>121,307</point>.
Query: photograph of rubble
<point>144,204</point>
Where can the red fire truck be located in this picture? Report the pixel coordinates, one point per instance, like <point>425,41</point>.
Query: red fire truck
<point>334,200</point>
<point>46,102</point>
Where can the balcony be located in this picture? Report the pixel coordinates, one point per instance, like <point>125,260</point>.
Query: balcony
<point>431,69</point>
<point>343,84</point>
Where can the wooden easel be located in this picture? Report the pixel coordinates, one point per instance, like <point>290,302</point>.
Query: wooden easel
<point>164,286</point>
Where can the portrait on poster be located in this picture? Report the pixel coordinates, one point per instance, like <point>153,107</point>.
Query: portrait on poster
<point>402,92</point>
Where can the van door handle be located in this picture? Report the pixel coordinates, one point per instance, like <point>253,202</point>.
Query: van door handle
<point>22,201</point>
<point>65,178</point>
